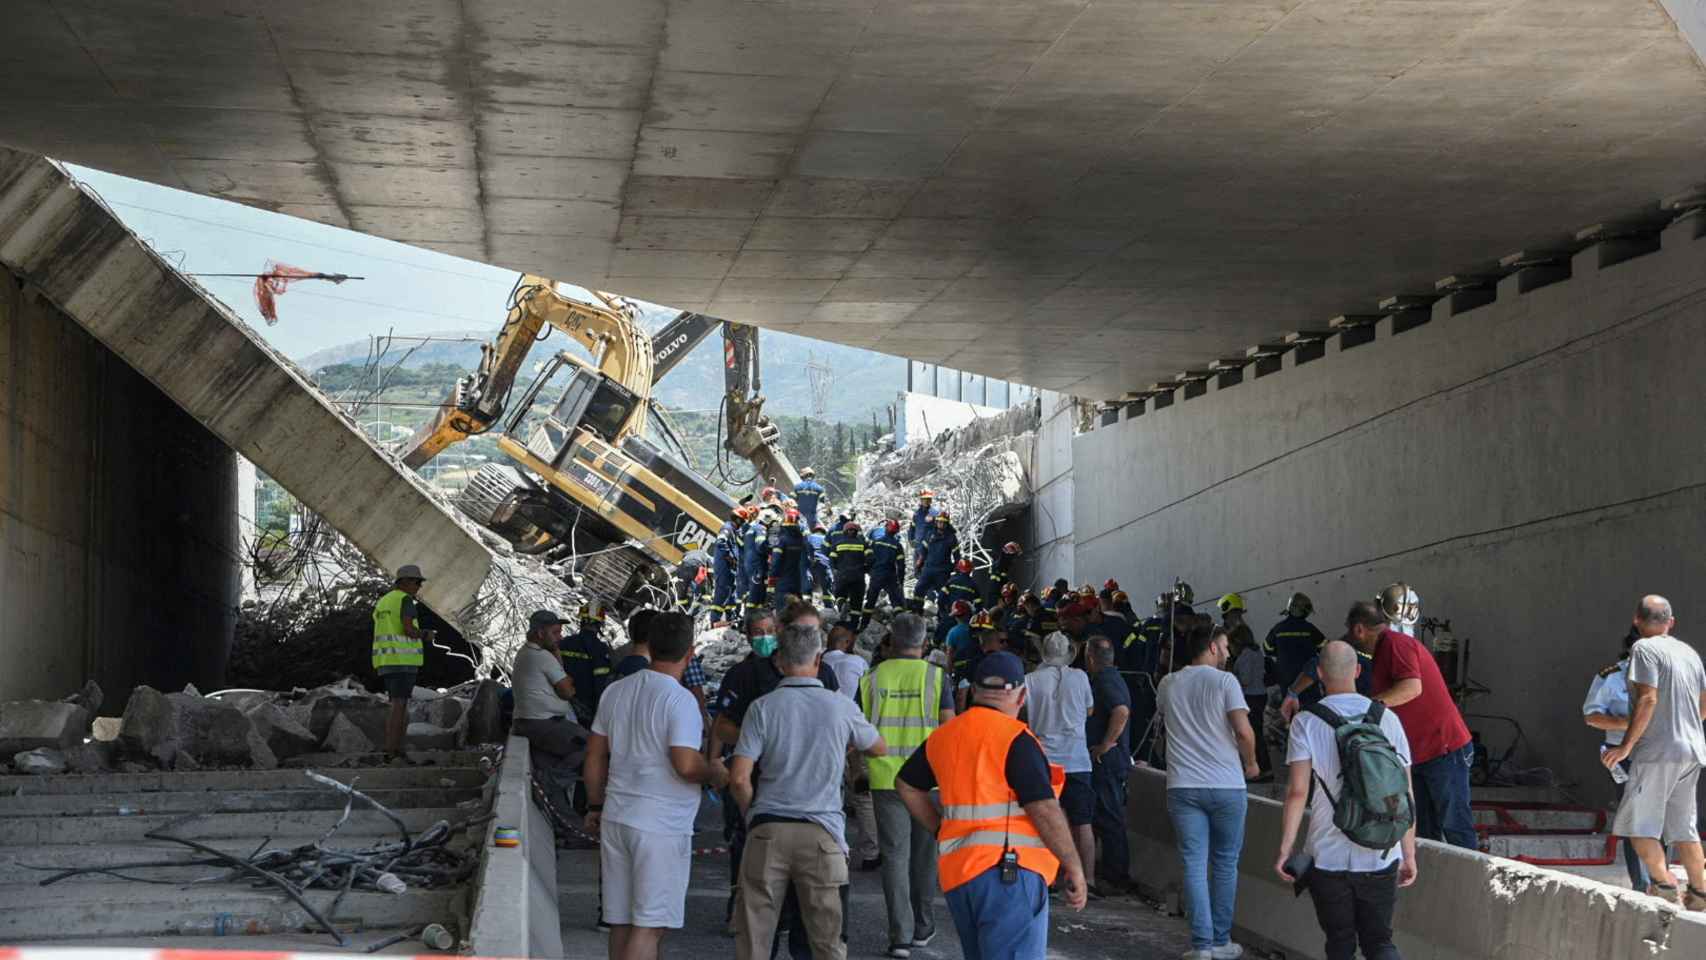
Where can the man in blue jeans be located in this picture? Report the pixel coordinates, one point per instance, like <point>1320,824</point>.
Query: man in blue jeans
<point>1211,752</point>
<point>1408,681</point>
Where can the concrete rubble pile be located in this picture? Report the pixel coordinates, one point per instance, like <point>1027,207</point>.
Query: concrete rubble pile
<point>239,728</point>
<point>980,473</point>
<point>47,736</point>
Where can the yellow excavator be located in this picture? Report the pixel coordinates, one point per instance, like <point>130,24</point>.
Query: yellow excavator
<point>586,486</point>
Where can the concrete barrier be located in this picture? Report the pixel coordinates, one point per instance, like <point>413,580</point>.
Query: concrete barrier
<point>1465,905</point>
<point>515,901</point>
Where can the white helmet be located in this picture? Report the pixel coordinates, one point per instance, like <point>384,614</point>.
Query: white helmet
<point>1401,605</point>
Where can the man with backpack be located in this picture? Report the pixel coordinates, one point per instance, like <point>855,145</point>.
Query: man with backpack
<point>1350,765</point>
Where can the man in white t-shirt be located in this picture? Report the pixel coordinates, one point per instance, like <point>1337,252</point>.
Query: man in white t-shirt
<point>1058,704</point>
<point>644,762</point>
<point>1354,887</point>
<point>1211,751</point>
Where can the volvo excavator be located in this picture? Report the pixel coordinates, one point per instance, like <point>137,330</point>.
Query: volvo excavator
<point>586,485</point>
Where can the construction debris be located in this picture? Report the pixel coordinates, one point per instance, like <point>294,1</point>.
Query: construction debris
<point>165,726</point>
<point>42,760</point>
<point>28,724</point>
<point>425,860</point>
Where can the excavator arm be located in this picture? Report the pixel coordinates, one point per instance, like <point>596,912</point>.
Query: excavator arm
<point>608,330</point>
<point>752,435</point>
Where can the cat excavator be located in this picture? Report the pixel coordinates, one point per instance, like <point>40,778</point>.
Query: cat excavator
<point>585,486</point>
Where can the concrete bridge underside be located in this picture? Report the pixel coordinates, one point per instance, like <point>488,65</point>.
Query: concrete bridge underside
<point>1085,195</point>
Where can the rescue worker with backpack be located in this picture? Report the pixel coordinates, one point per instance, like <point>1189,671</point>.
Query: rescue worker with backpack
<point>850,556</point>
<point>789,570</point>
<point>754,557</point>
<point>1349,765</point>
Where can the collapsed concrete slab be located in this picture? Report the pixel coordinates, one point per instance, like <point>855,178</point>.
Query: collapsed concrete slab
<point>79,256</point>
<point>346,737</point>
<point>41,761</point>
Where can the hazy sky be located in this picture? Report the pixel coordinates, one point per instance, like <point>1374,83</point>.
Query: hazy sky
<point>407,290</point>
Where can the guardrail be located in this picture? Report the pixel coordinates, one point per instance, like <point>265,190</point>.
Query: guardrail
<point>514,913</point>
<point>1465,905</point>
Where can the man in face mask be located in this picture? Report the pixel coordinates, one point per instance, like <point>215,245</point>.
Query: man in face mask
<point>745,682</point>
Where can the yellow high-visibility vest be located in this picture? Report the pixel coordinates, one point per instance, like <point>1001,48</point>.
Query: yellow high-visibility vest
<point>903,700</point>
<point>392,648</point>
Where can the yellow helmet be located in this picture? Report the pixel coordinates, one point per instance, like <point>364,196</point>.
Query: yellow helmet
<point>1230,602</point>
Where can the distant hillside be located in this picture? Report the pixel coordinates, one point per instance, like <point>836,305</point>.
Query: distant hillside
<point>863,381</point>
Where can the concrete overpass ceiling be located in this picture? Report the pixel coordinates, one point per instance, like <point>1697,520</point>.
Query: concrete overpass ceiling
<point>1085,196</point>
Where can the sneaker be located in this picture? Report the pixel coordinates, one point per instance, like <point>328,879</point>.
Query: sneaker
<point>923,941</point>
<point>602,926</point>
<point>1226,951</point>
<point>1197,955</point>
<point>1668,892</point>
<point>900,951</point>
<point>1693,899</point>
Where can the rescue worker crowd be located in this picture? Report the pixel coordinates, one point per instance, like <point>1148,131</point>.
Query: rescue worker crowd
<point>985,752</point>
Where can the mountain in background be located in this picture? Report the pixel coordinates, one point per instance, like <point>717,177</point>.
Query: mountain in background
<point>861,380</point>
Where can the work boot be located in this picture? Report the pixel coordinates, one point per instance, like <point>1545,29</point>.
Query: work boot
<point>1668,892</point>
<point>1693,899</point>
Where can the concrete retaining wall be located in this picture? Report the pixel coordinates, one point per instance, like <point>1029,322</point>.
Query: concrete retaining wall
<point>118,555</point>
<point>1531,466</point>
<point>1464,905</point>
<point>82,259</point>
<point>1050,547</point>
<point>515,901</point>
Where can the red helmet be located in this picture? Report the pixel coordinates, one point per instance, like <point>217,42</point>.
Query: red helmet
<point>768,493</point>
<point>961,609</point>
<point>1011,548</point>
<point>942,516</point>
<point>892,527</point>
<point>963,566</point>
<point>983,621</point>
<point>851,527</point>
<point>1111,585</point>
<point>792,515</point>
<point>926,494</point>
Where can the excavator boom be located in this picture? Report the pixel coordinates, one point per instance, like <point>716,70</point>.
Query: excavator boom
<point>608,330</point>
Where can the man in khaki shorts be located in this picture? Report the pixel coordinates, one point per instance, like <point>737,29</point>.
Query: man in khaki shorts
<point>1667,685</point>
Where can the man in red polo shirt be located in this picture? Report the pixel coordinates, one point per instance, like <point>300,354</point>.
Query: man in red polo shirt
<point>1408,681</point>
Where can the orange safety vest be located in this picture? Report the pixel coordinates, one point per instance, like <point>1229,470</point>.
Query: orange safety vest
<point>980,812</point>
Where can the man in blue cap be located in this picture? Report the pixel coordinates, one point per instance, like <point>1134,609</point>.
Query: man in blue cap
<point>1000,831</point>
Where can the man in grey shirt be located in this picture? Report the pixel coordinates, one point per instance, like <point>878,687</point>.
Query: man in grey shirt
<point>796,835</point>
<point>1667,685</point>
<point>543,690</point>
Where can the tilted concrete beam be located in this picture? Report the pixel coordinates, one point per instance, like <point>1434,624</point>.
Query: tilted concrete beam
<point>74,251</point>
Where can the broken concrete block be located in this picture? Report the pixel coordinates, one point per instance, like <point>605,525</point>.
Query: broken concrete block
<point>94,757</point>
<point>317,710</point>
<point>89,698</point>
<point>261,756</point>
<point>28,724</point>
<point>425,736</point>
<point>485,714</point>
<point>106,729</point>
<point>346,737</point>
<point>439,711</point>
<point>42,760</point>
<point>283,736</point>
<point>161,725</point>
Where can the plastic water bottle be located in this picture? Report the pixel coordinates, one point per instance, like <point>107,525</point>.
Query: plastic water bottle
<point>1618,774</point>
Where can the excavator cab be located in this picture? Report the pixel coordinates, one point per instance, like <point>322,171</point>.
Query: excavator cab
<point>578,397</point>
